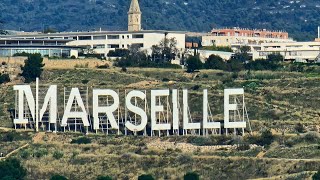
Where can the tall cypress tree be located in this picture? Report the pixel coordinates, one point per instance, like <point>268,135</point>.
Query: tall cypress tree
<point>33,67</point>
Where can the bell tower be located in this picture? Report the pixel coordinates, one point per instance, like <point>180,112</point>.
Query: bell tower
<point>134,16</point>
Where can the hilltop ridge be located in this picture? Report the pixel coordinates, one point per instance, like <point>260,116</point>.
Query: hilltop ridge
<point>299,18</point>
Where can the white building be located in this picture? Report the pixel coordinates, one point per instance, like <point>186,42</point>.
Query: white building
<point>292,51</point>
<point>101,42</point>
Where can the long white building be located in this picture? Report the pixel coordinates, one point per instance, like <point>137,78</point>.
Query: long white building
<point>100,42</point>
<point>292,51</point>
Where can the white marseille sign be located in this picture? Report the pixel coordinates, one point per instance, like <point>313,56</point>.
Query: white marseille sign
<point>179,117</point>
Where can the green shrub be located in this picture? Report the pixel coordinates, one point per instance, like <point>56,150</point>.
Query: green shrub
<point>25,154</point>
<point>193,63</point>
<point>201,141</point>
<point>316,176</point>
<point>196,87</point>
<point>299,128</point>
<point>57,154</point>
<point>40,152</point>
<point>104,178</point>
<point>165,80</point>
<point>58,177</point>
<point>243,147</point>
<point>215,62</point>
<point>184,159</point>
<point>12,169</point>
<point>264,139</point>
<point>145,177</point>
<point>81,140</point>
<point>311,137</point>
<point>4,78</point>
<point>12,136</point>
<point>205,76</point>
<point>191,176</point>
<point>84,81</point>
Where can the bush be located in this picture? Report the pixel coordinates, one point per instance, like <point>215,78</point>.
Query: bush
<point>124,69</point>
<point>40,152</point>
<point>266,137</point>
<point>316,176</point>
<point>57,154</point>
<point>12,169</point>
<point>4,78</point>
<point>12,136</point>
<point>299,128</point>
<point>196,87</point>
<point>104,178</point>
<point>215,62</point>
<point>184,159</point>
<point>311,137</point>
<point>81,140</point>
<point>165,80</point>
<point>58,177</point>
<point>191,176</point>
<point>243,147</point>
<point>33,68</point>
<point>84,81</point>
<point>193,63</point>
<point>201,141</point>
<point>145,177</point>
<point>205,76</point>
<point>25,154</point>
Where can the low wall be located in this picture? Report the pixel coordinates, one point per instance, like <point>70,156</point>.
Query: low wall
<point>59,63</point>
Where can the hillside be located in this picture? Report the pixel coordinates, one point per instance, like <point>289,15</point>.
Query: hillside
<point>299,18</point>
<point>286,102</point>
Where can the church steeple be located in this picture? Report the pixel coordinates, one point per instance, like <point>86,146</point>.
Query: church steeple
<point>134,16</point>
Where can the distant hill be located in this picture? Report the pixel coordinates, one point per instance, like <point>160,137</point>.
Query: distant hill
<point>299,18</point>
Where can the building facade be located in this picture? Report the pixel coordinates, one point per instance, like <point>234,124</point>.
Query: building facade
<point>291,51</point>
<point>237,37</point>
<point>98,42</point>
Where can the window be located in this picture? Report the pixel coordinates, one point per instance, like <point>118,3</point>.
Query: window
<point>128,36</point>
<point>84,37</point>
<point>140,45</point>
<point>137,36</point>
<point>99,37</point>
<point>113,46</point>
<point>99,46</point>
<point>122,37</point>
<point>113,37</point>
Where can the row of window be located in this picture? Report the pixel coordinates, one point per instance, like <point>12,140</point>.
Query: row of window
<point>43,52</point>
<point>115,46</point>
<point>134,36</point>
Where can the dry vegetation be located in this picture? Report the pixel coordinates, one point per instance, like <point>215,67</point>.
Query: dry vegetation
<point>277,100</point>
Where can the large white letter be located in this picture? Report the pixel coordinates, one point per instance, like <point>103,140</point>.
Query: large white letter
<point>75,94</point>
<point>51,97</point>
<point>106,109</point>
<point>137,110</point>
<point>175,110</point>
<point>231,107</point>
<point>186,110</point>
<point>159,108</point>
<point>24,90</point>
<point>206,124</point>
